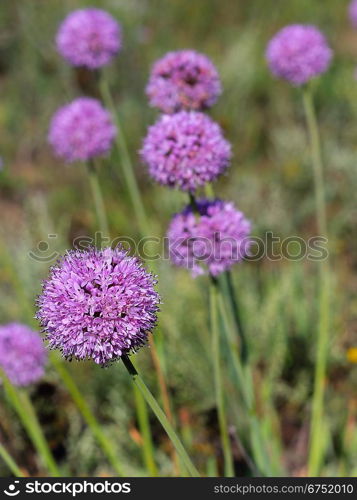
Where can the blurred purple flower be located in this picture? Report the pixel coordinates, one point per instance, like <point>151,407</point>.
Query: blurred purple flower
<point>185,150</point>
<point>81,130</point>
<point>352,10</point>
<point>298,53</point>
<point>213,239</point>
<point>183,80</point>
<point>22,354</point>
<point>89,37</point>
<point>98,304</point>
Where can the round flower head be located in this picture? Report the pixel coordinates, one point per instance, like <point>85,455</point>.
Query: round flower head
<point>209,237</point>
<point>183,80</point>
<point>81,130</point>
<point>185,150</point>
<point>298,53</point>
<point>89,37</point>
<point>98,304</point>
<point>353,13</point>
<point>22,354</point>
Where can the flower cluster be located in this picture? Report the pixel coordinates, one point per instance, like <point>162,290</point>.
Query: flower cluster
<point>98,304</point>
<point>211,236</point>
<point>185,150</point>
<point>183,79</point>
<point>81,130</point>
<point>22,354</point>
<point>298,53</point>
<point>95,304</point>
<point>89,37</point>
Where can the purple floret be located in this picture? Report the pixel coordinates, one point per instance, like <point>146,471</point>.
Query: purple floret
<point>81,130</point>
<point>22,354</point>
<point>89,37</point>
<point>352,10</point>
<point>298,53</point>
<point>98,304</point>
<point>184,79</point>
<point>210,237</point>
<point>185,150</point>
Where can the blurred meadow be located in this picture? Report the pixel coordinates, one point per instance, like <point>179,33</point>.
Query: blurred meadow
<point>270,180</point>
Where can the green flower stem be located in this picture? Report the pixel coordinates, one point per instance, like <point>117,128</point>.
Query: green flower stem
<point>209,192</point>
<point>316,157</point>
<point>245,385</point>
<point>9,461</point>
<point>239,359</point>
<point>23,407</point>
<point>144,425</point>
<point>98,198</point>
<point>235,311</point>
<point>145,430</point>
<point>151,401</point>
<point>222,417</point>
<point>105,443</point>
<point>220,403</point>
<point>316,450</point>
<point>127,167</point>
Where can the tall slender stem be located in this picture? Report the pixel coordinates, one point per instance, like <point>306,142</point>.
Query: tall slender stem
<point>23,407</point>
<point>98,199</point>
<point>233,327</point>
<point>316,450</point>
<point>145,429</point>
<point>151,401</point>
<point>316,157</point>
<point>222,417</point>
<point>245,385</point>
<point>126,163</point>
<point>235,310</point>
<point>10,462</point>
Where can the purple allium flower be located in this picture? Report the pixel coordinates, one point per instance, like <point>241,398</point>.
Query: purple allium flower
<point>89,37</point>
<point>185,150</point>
<point>298,53</point>
<point>81,130</point>
<point>352,9</point>
<point>212,237</point>
<point>183,80</point>
<point>98,304</point>
<point>22,354</point>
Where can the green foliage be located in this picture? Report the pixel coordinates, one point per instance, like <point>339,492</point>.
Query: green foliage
<point>270,179</point>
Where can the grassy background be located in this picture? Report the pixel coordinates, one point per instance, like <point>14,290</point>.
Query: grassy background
<point>270,179</point>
